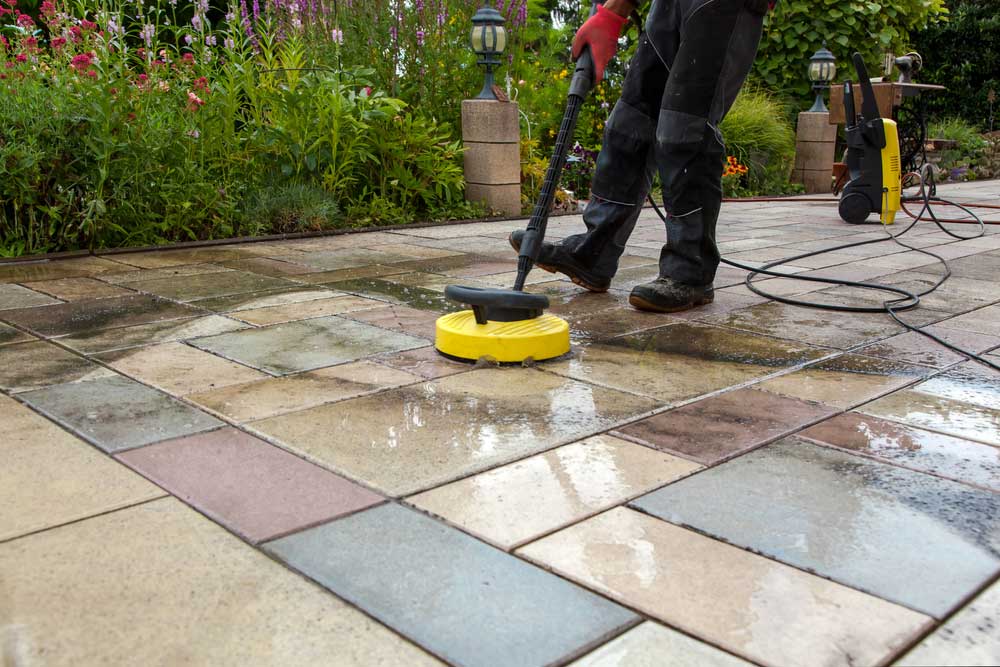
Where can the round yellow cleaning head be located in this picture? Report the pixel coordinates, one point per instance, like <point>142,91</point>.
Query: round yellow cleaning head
<point>544,337</point>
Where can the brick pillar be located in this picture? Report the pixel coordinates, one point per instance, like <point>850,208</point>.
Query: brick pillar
<point>491,133</point>
<point>815,141</point>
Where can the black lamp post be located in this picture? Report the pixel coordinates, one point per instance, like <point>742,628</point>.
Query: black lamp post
<point>822,70</point>
<point>488,40</point>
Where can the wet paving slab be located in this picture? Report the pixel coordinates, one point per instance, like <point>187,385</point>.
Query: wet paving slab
<point>116,413</point>
<point>107,340</point>
<point>27,366</point>
<point>82,316</point>
<point>306,345</point>
<point>78,289</point>
<point>266,266</point>
<point>130,274</point>
<point>234,303</point>
<point>306,310</point>
<point>10,335</point>
<point>16,296</point>
<point>984,320</point>
<point>969,637</point>
<point>682,360</point>
<point>935,413</point>
<point>424,362</point>
<point>516,503</point>
<point>21,272</point>
<point>763,610</point>
<point>718,428</point>
<point>209,285</point>
<point>913,539</point>
<point>256,490</point>
<point>301,391</point>
<point>969,382</point>
<point>908,447</point>
<point>402,319</point>
<point>169,258</point>
<point>915,348</point>
<point>441,588</point>
<point>226,603</point>
<point>349,258</point>
<point>414,438</point>
<point>846,381</point>
<point>341,275</point>
<point>396,294</point>
<point>647,644</point>
<point>58,478</point>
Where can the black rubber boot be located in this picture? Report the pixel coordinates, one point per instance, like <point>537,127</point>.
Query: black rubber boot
<point>664,295</point>
<point>555,259</point>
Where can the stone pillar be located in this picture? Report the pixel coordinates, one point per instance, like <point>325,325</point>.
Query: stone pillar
<point>815,142</point>
<point>491,132</point>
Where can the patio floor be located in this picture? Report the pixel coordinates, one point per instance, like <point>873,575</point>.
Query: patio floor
<point>251,454</point>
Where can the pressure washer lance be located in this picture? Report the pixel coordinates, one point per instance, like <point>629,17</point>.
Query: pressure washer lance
<point>579,88</point>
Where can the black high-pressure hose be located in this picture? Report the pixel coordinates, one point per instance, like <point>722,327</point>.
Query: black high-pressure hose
<point>581,85</point>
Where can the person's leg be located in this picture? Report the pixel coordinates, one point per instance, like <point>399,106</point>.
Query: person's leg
<point>718,42</point>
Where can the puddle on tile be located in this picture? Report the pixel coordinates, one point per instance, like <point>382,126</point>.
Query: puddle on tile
<point>276,396</point>
<point>78,289</point>
<point>23,272</point>
<point>92,342</point>
<point>425,362</point>
<point>845,381</point>
<point>306,345</point>
<point>179,369</point>
<point>413,438</point>
<point>970,382</point>
<point>969,637</point>
<point>840,330</point>
<point>516,503</point>
<point>209,285</point>
<point>718,428</point>
<point>682,360</point>
<point>917,449</point>
<point>914,539</point>
<point>80,316</point>
<point>27,366</point>
<point>16,296</point>
<point>769,612</point>
<point>944,415</point>
<point>403,295</point>
<point>306,310</point>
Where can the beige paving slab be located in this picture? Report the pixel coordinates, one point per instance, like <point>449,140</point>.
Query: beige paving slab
<point>21,272</point>
<point>970,637</point>
<point>338,275</point>
<point>845,381</point>
<point>306,310</point>
<point>158,584</point>
<point>752,606</point>
<point>515,503</point>
<point>77,289</point>
<point>984,321</point>
<point>277,396</point>
<point>653,645</point>
<point>33,365</point>
<point>167,258</point>
<point>131,274</point>
<point>49,477</point>
<point>93,342</point>
<point>426,362</point>
<point>414,438</point>
<point>265,299</point>
<point>937,413</point>
<point>18,296</point>
<point>9,335</point>
<point>179,369</point>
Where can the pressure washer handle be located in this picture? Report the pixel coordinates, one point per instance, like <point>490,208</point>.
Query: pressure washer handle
<point>583,75</point>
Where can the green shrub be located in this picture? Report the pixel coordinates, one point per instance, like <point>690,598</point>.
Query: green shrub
<point>758,136</point>
<point>959,162</point>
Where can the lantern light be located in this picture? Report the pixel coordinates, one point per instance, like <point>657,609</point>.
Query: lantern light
<point>488,41</point>
<point>822,70</point>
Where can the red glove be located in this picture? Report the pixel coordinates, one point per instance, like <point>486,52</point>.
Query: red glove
<point>600,33</point>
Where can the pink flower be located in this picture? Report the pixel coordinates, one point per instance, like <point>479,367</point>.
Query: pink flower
<point>58,42</point>
<point>21,58</point>
<point>25,21</point>
<point>86,25</point>
<point>201,84</point>
<point>81,62</point>
<point>188,58</point>
<point>194,102</point>
<point>48,10</point>
<point>91,73</point>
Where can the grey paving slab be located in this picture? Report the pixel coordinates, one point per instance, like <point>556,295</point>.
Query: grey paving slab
<point>79,316</point>
<point>11,335</point>
<point>205,285</point>
<point>306,345</point>
<point>116,413</point>
<point>15,296</point>
<point>454,595</point>
<point>911,538</point>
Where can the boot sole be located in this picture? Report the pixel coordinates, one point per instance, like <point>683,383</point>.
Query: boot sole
<point>577,280</point>
<point>642,304</point>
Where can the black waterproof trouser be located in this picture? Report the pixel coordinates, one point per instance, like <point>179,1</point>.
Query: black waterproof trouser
<point>689,66</point>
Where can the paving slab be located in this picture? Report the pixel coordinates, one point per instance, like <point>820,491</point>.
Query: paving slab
<point>108,340</point>
<point>516,503</point>
<point>27,366</point>
<point>206,285</point>
<point>179,369</point>
<point>307,310</point>
<point>116,413</point>
<point>266,266</point>
<point>760,609</point>
<point>291,393</point>
<point>255,489</point>
<point>718,428</point>
<point>383,289</point>
<point>16,296</point>
<point>969,637</point>
<point>410,321</point>
<point>910,538</point>
<point>159,584</point>
<point>78,289</point>
<point>349,258</point>
<point>50,477</point>
<point>682,360</point>
<point>914,348</point>
<point>80,316</point>
<point>914,448</point>
<point>985,321</point>
<point>425,362</point>
<point>846,381</point>
<point>462,599</point>
<point>10,335</point>
<point>307,345</point>
<point>22,272</point>
<point>936,413</point>
<point>130,274</point>
<point>650,644</point>
<point>172,257</point>
<point>233,303</point>
<point>970,382</point>
<point>413,438</point>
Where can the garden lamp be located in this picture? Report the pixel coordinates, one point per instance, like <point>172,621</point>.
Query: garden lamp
<point>822,69</point>
<point>489,39</point>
